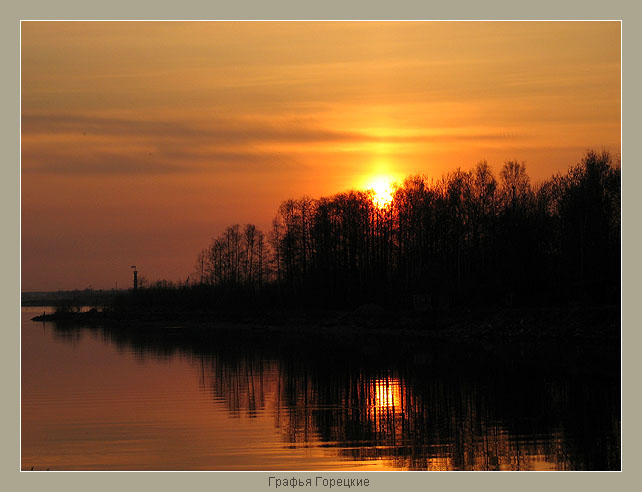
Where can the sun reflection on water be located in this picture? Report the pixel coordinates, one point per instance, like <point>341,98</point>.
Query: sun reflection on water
<point>387,394</point>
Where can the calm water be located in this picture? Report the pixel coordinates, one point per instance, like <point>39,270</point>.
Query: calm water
<point>133,399</point>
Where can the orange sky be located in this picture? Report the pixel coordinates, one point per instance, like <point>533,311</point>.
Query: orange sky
<point>142,140</point>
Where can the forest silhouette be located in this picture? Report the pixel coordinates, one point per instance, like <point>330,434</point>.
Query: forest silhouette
<point>467,239</point>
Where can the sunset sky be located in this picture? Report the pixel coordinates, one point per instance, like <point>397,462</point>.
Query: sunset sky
<point>143,140</point>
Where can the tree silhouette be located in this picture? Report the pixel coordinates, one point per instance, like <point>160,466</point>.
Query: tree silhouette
<point>465,238</point>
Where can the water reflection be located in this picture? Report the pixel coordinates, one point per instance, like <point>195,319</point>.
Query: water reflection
<point>412,404</point>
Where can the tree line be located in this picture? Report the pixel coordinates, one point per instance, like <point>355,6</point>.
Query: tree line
<point>469,237</point>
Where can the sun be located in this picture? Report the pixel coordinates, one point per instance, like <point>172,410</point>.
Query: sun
<point>382,189</point>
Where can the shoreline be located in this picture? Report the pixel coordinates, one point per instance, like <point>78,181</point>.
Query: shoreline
<point>579,323</point>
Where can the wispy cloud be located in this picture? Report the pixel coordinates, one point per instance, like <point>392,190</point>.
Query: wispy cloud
<point>154,163</point>
<point>98,164</point>
<point>229,131</point>
<point>85,144</point>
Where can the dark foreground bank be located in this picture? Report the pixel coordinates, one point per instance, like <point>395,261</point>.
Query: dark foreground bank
<point>534,323</point>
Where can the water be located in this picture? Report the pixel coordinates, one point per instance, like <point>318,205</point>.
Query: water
<point>171,399</point>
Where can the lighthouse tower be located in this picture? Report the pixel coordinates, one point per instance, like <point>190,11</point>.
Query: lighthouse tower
<point>135,277</point>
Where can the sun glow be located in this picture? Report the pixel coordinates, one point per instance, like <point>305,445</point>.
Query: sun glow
<point>382,189</point>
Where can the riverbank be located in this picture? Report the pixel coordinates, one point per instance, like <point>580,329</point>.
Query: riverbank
<point>601,323</point>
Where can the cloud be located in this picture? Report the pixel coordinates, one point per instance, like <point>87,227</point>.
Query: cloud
<point>89,145</point>
<point>42,161</point>
<point>223,131</point>
<point>98,164</point>
<point>218,130</point>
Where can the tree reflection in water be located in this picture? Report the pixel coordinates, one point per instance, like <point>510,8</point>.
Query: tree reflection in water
<point>413,403</point>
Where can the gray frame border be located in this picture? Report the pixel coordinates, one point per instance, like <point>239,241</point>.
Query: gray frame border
<point>628,12</point>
